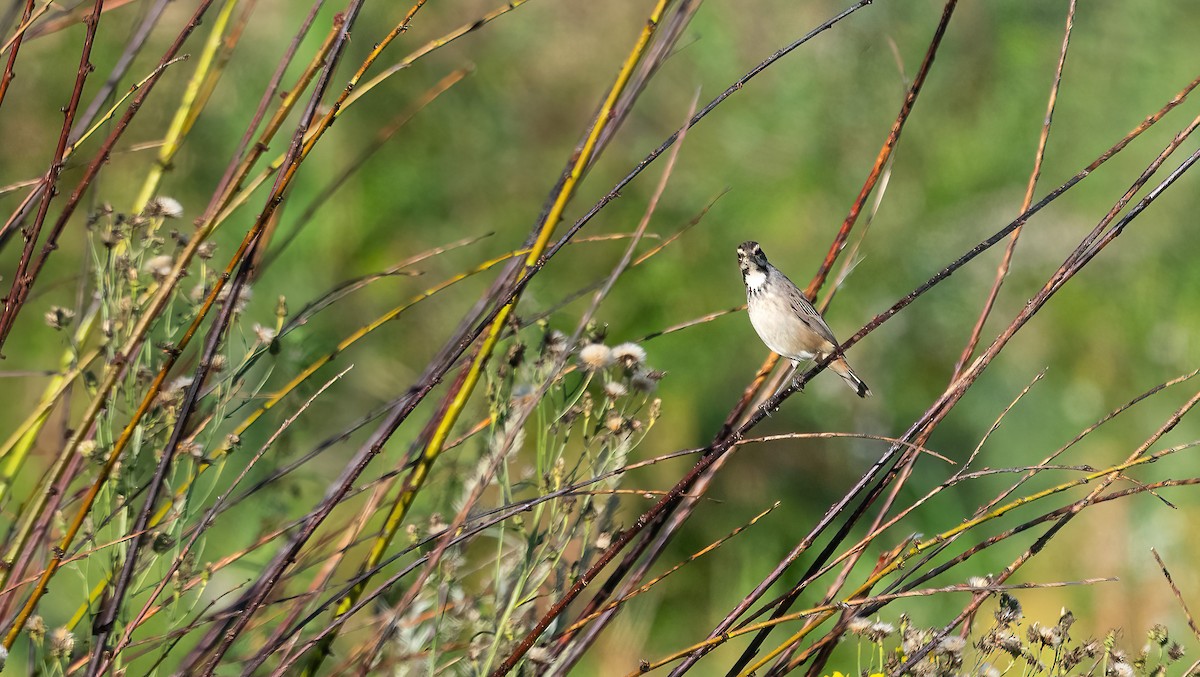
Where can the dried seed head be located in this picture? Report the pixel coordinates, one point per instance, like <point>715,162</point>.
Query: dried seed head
<point>159,266</point>
<point>87,448</point>
<point>180,384</point>
<point>880,631</point>
<point>952,645</point>
<point>36,627</point>
<point>1121,669</point>
<point>555,343</point>
<point>167,207</point>
<point>595,356</point>
<point>644,381</point>
<point>243,297</point>
<point>437,524</point>
<point>614,422</point>
<point>603,540</point>
<point>1175,651</point>
<point>62,643</point>
<point>516,355</point>
<point>1048,636</point>
<point>629,355</point>
<point>59,318</point>
<point>1065,620</point>
<point>263,334</point>
<point>858,625</point>
<point>523,395</point>
<point>191,448</point>
<point>615,390</point>
<point>206,250</point>
<point>1010,609</point>
<point>979,581</point>
<point>1009,643</point>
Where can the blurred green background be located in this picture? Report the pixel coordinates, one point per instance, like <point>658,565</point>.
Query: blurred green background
<point>792,149</point>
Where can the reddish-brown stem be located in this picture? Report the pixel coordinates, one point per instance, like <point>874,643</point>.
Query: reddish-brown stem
<point>22,278</point>
<point>10,65</point>
<point>23,283</point>
<point>885,153</point>
<point>1039,155</point>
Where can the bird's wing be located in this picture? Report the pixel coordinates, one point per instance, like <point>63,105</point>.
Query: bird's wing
<point>807,314</point>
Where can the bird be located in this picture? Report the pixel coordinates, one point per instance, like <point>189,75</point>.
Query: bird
<point>785,319</point>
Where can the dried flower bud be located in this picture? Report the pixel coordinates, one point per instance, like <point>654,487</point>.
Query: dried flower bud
<point>655,410</point>
<point>162,542</point>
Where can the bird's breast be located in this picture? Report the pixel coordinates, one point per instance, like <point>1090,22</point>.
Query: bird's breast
<point>779,327</point>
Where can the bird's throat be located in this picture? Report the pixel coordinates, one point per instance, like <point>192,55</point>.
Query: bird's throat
<point>755,280</point>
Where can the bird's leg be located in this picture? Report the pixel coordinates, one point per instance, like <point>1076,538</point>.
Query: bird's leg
<point>784,384</point>
<point>794,378</point>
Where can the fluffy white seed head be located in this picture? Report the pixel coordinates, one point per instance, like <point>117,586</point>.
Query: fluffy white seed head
<point>595,356</point>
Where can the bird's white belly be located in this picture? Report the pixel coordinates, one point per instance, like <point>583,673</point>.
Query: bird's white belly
<point>779,328</point>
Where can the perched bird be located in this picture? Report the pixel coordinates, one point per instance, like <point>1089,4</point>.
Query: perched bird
<point>785,319</point>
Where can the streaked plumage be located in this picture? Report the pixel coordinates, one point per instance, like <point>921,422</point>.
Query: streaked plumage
<point>785,319</point>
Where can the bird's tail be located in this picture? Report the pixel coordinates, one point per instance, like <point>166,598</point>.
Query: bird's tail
<point>841,368</point>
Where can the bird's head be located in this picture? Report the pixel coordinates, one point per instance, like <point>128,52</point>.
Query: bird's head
<point>751,258</point>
